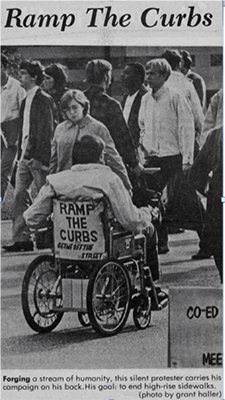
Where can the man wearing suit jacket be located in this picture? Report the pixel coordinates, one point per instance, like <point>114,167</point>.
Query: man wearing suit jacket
<point>133,77</point>
<point>34,147</point>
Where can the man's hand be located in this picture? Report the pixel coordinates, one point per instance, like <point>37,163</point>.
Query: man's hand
<point>185,168</point>
<point>155,213</point>
<point>38,165</point>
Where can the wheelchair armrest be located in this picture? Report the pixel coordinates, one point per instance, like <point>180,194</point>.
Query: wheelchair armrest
<point>150,171</point>
<point>153,194</point>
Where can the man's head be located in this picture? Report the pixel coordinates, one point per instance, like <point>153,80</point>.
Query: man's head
<point>186,61</point>
<point>4,64</point>
<point>31,74</point>
<point>133,76</point>
<point>174,59</point>
<point>88,150</point>
<point>74,105</point>
<point>98,72</point>
<point>157,72</point>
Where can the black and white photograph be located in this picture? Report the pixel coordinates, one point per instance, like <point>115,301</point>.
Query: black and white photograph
<point>111,200</point>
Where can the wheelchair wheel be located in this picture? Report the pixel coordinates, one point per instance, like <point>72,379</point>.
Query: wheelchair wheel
<point>108,297</point>
<point>37,302</point>
<point>83,318</point>
<point>142,312</point>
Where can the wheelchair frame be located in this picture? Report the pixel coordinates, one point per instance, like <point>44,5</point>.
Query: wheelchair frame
<point>101,292</point>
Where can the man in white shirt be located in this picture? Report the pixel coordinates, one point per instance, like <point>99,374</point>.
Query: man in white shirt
<point>12,95</point>
<point>180,82</point>
<point>167,129</point>
<point>34,147</point>
<point>166,122</point>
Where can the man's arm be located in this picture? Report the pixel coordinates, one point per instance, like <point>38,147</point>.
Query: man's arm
<point>141,120</point>
<point>35,216</point>
<point>145,139</point>
<point>121,135</point>
<point>185,129</point>
<point>53,164</point>
<point>126,213</point>
<point>197,112</point>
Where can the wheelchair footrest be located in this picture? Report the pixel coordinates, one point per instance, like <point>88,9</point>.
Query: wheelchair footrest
<point>162,302</point>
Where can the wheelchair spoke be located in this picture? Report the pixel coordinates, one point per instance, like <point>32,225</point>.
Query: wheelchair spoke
<point>109,298</point>
<point>37,299</point>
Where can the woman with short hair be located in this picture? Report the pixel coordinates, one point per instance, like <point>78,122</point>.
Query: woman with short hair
<point>75,109</point>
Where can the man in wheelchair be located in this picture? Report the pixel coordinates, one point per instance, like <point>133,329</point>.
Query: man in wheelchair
<point>87,176</point>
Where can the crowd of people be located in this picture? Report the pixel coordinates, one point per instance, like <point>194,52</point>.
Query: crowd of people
<point>88,139</point>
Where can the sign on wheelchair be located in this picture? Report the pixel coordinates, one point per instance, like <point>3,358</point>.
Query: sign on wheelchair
<point>97,270</point>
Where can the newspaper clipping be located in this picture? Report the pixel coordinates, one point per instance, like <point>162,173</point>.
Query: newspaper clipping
<point>111,200</point>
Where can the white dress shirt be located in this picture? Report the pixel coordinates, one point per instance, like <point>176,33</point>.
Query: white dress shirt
<point>12,95</point>
<point>26,116</point>
<point>128,104</point>
<point>167,124</point>
<point>180,82</point>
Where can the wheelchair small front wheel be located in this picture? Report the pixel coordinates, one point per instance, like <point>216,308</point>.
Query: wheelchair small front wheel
<point>108,297</point>
<point>142,312</point>
<point>37,298</point>
<point>83,318</point>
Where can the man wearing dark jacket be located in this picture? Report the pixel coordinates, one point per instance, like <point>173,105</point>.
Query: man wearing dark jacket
<point>133,77</point>
<point>108,111</point>
<point>34,147</point>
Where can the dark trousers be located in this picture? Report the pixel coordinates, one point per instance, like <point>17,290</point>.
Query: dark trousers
<point>157,181</point>
<point>168,168</point>
<point>152,255</point>
<point>26,174</point>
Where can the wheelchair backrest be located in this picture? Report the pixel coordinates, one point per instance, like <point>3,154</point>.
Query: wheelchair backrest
<point>78,229</point>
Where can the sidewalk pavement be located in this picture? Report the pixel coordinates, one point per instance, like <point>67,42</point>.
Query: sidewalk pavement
<point>177,267</point>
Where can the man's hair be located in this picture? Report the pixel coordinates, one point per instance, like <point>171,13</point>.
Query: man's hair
<point>4,60</point>
<point>57,72</point>
<point>74,94</point>
<point>173,57</point>
<point>186,58</point>
<point>96,70</point>
<point>161,65</point>
<point>87,150</point>
<point>34,69</point>
<point>138,69</point>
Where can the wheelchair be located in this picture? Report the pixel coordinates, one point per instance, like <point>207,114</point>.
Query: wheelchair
<point>97,269</point>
